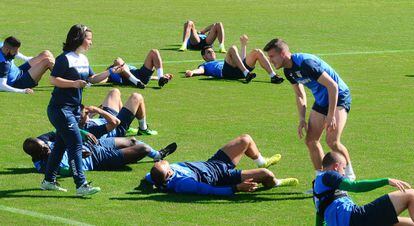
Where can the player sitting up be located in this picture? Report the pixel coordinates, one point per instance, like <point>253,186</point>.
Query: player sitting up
<point>140,77</point>
<point>21,79</point>
<point>234,66</point>
<point>336,208</point>
<point>107,154</point>
<point>218,176</point>
<point>115,118</point>
<point>196,40</point>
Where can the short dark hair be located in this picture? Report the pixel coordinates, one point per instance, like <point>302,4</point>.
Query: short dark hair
<point>75,37</point>
<point>157,177</point>
<point>278,44</point>
<point>203,50</point>
<point>331,158</point>
<point>12,41</point>
<point>32,147</point>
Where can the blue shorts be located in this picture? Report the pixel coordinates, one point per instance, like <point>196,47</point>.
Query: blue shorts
<point>105,155</point>
<point>24,80</point>
<point>125,116</point>
<point>198,46</point>
<point>343,101</point>
<point>230,72</point>
<point>380,212</point>
<point>143,74</point>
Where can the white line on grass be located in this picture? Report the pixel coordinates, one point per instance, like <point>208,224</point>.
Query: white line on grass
<point>319,54</point>
<point>43,216</point>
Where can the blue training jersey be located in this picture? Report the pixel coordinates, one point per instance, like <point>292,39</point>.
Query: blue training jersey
<point>8,69</point>
<point>307,69</point>
<point>338,213</point>
<point>70,66</point>
<point>213,68</point>
<point>185,180</point>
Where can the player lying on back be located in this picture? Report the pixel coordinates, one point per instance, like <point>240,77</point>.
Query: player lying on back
<point>335,208</point>
<point>218,176</point>
<point>234,66</point>
<point>116,118</point>
<point>106,154</point>
<point>140,77</point>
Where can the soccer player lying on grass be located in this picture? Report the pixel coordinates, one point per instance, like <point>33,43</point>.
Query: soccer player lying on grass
<point>20,55</point>
<point>115,118</point>
<point>196,40</point>
<point>140,77</point>
<point>21,79</point>
<point>336,208</point>
<point>234,66</point>
<point>106,154</point>
<point>218,176</point>
<point>332,100</point>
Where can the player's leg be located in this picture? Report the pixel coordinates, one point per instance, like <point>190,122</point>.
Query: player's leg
<point>267,178</point>
<point>135,153</point>
<point>333,139</point>
<point>136,105</point>
<point>154,60</point>
<point>403,201</point>
<point>39,64</point>
<point>214,33</point>
<point>245,145</point>
<point>113,100</point>
<point>234,60</point>
<point>189,33</point>
<point>313,136</point>
<point>258,55</point>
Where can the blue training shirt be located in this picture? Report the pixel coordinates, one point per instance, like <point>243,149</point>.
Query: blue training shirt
<point>307,69</point>
<point>8,69</point>
<point>213,68</point>
<point>338,213</point>
<point>185,180</point>
<point>70,66</point>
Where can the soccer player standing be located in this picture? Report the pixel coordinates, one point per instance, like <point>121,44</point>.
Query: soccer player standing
<point>332,100</point>
<point>70,75</point>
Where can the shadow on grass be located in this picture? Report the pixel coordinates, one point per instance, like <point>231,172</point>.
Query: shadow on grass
<point>411,76</point>
<point>18,171</point>
<point>15,193</point>
<point>212,79</point>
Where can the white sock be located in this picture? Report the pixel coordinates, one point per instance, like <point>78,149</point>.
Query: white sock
<point>278,182</point>
<point>349,172</point>
<point>160,72</point>
<point>271,74</point>
<point>133,79</point>
<point>221,46</point>
<point>246,72</point>
<point>142,124</point>
<point>260,160</point>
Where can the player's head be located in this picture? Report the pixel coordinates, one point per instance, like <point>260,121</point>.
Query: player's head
<point>160,173</point>
<point>278,52</point>
<point>36,148</point>
<point>79,38</point>
<point>334,161</point>
<point>208,54</point>
<point>11,47</point>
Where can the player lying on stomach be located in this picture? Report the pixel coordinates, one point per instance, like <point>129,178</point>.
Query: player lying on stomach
<point>335,208</point>
<point>115,117</point>
<point>218,176</point>
<point>106,154</point>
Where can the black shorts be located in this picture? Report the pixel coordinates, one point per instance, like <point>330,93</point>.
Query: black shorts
<point>198,46</point>
<point>143,74</point>
<point>380,212</point>
<point>125,116</point>
<point>344,102</point>
<point>24,80</point>
<point>230,72</point>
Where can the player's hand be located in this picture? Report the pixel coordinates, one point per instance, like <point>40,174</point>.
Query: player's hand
<point>79,83</point>
<point>302,128</point>
<point>118,69</point>
<point>247,186</point>
<point>244,39</point>
<point>188,73</point>
<point>86,154</point>
<point>91,109</point>
<point>168,76</point>
<point>401,185</point>
<point>91,138</point>
<point>119,61</point>
<point>330,123</point>
<point>28,91</point>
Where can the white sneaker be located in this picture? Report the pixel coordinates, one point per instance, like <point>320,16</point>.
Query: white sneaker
<point>87,189</point>
<point>53,186</point>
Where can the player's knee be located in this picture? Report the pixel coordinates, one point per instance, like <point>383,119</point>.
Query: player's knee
<point>333,144</point>
<point>189,23</point>
<point>46,54</point>
<point>137,97</point>
<point>115,92</point>
<point>233,48</point>
<point>245,138</point>
<point>309,141</point>
<point>268,175</point>
<point>155,52</point>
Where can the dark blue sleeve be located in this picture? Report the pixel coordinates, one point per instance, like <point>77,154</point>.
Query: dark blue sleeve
<point>4,69</point>
<point>189,185</point>
<point>287,73</point>
<point>97,131</point>
<point>91,71</point>
<point>332,179</point>
<point>61,65</point>
<point>50,136</point>
<point>312,69</point>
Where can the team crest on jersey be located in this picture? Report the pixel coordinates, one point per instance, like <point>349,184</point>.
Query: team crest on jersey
<point>298,74</point>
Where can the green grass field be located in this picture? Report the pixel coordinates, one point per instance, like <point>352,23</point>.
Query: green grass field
<point>369,43</point>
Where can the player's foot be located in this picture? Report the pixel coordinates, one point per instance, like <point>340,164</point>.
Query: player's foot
<point>168,150</point>
<point>140,85</point>
<point>276,79</point>
<point>271,161</point>
<point>146,132</point>
<point>131,132</point>
<point>87,189</point>
<point>222,50</point>
<point>288,182</point>
<point>52,186</point>
<point>250,77</point>
<point>162,81</point>
<point>182,48</point>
